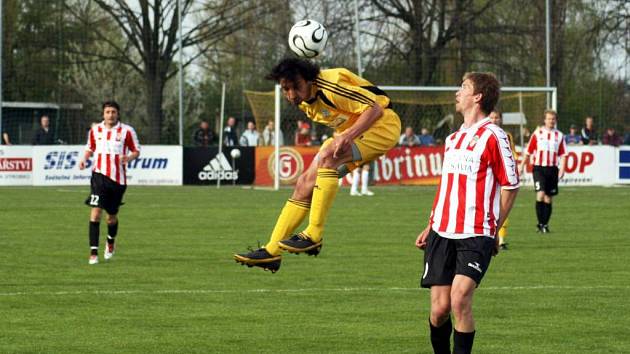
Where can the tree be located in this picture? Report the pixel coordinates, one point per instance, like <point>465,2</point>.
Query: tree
<point>426,29</point>
<point>150,30</point>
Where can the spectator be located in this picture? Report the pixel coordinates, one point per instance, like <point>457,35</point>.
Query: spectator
<point>425,138</point>
<point>314,141</point>
<point>589,135</point>
<point>230,138</point>
<point>250,137</point>
<point>203,136</point>
<point>626,138</point>
<point>573,138</point>
<point>303,136</point>
<point>612,138</point>
<point>43,136</point>
<point>269,135</point>
<point>409,138</point>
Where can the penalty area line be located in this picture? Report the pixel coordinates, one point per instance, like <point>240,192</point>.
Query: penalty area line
<point>297,290</point>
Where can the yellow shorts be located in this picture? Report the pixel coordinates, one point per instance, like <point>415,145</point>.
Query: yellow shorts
<point>376,141</point>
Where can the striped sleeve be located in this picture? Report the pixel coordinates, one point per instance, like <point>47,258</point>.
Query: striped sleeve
<point>347,98</point>
<point>501,160</point>
<point>91,143</point>
<point>532,146</point>
<point>131,140</point>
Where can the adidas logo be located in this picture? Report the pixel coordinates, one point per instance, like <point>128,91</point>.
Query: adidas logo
<point>218,168</point>
<point>476,266</point>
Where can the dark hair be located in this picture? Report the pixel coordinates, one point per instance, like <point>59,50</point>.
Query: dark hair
<point>488,86</point>
<point>111,104</point>
<point>291,68</point>
<point>498,113</point>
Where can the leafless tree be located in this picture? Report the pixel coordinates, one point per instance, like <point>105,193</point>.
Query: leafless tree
<point>150,29</point>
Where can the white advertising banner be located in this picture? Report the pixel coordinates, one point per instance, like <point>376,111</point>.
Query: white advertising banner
<point>59,165</point>
<point>586,166</point>
<point>16,165</point>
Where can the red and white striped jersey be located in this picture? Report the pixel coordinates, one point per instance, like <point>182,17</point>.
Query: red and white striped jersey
<point>109,146</point>
<point>478,162</point>
<point>547,146</point>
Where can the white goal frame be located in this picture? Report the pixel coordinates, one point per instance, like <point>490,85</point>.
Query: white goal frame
<point>552,103</point>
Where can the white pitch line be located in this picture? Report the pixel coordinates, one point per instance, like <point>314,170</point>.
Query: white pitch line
<point>298,290</point>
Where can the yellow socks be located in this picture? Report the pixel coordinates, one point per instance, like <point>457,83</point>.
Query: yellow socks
<point>326,186</point>
<point>292,215</point>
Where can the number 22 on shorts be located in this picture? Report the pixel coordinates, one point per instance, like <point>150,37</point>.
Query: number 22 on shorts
<point>94,199</point>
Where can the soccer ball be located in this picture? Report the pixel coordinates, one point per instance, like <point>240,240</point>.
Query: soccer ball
<point>308,38</point>
<point>235,153</point>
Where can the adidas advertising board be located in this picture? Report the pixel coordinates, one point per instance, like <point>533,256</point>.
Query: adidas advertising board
<point>58,165</point>
<point>204,165</point>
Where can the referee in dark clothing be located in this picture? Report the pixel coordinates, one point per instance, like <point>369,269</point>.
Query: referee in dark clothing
<point>44,136</point>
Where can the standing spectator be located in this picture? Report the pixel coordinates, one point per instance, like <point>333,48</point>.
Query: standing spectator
<point>589,135</point>
<point>409,138</point>
<point>626,138</point>
<point>43,136</point>
<point>114,144</point>
<point>303,135</point>
<point>250,137</point>
<point>573,138</point>
<point>480,177</point>
<point>230,138</point>
<point>548,150</point>
<point>203,136</point>
<point>425,138</point>
<point>612,138</point>
<point>269,135</point>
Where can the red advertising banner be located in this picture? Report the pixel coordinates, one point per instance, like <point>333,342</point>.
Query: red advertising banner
<point>293,161</point>
<point>410,166</point>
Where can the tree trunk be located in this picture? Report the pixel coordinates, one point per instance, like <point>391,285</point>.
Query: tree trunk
<point>155,97</point>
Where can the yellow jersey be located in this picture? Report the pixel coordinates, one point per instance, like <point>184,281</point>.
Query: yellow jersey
<point>339,97</point>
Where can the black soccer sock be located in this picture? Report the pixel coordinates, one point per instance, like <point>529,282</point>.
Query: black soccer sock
<point>94,234</point>
<point>112,231</point>
<point>463,342</point>
<point>547,213</point>
<point>540,212</point>
<point>441,337</point>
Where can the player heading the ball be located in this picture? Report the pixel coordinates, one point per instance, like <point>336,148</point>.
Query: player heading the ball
<point>365,128</point>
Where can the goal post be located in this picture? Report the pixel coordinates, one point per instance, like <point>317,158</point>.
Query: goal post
<point>429,107</point>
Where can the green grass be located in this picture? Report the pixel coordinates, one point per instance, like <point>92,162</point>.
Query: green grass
<point>174,288</point>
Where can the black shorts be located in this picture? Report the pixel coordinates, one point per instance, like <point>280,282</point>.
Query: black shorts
<point>105,194</point>
<point>444,258</point>
<point>546,179</point>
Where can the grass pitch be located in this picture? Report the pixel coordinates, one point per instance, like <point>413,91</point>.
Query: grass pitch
<point>174,288</point>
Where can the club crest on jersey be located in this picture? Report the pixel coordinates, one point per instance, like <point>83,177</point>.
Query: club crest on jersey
<point>325,113</point>
<point>118,136</point>
<point>473,142</point>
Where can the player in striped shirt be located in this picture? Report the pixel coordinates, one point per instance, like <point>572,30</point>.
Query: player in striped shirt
<point>548,150</point>
<point>477,189</point>
<point>114,144</point>
<point>365,128</point>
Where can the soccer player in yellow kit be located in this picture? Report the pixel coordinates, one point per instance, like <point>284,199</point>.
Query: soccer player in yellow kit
<point>497,118</point>
<point>365,128</point>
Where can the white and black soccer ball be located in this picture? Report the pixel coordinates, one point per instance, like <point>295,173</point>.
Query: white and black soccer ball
<point>308,38</point>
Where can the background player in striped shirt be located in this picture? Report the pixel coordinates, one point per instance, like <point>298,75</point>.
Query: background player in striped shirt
<point>365,128</point>
<point>477,189</point>
<point>548,150</point>
<point>496,117</point>
<point>113,144</point>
